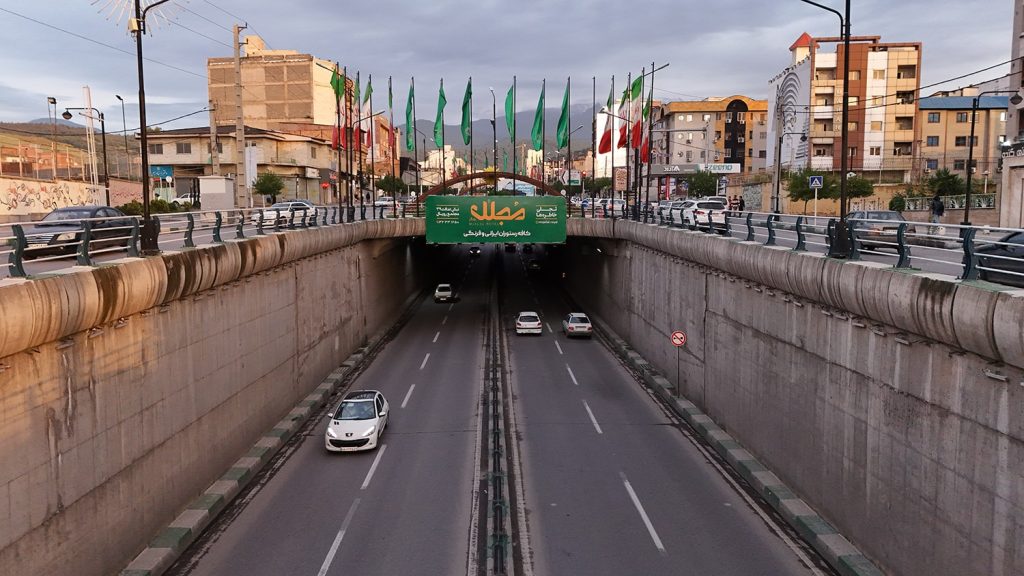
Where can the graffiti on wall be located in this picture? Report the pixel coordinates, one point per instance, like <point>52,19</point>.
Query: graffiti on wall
<point>29,197</point>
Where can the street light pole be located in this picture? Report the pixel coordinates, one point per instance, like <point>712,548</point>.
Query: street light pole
<point>494,132</point>
<point>53,135</point>
<point>776,196</point>
<point>103,130</point>
<point>150,231</point>
<point>124,130</point>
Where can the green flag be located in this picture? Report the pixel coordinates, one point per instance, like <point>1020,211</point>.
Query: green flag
<point>537,135</point>
<point>338,83</point>
<point>358,99</point>
<point>410,122</point>
<point>562,134</point>
<point>504,161</point>
<point>487,162</point>
<point>467,113</point>
<point>369,91</point>
<point>439,120</point>
<point>510,112</point>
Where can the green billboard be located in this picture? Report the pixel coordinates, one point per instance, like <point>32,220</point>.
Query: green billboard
<point>537,219</point>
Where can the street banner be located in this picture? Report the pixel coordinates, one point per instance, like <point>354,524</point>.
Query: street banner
<point>495,219</point>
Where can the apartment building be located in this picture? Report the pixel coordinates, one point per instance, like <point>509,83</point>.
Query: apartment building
<point>305,164</point>
<point>732,130</point>
<point>806,100</point>
<point>945,121</point>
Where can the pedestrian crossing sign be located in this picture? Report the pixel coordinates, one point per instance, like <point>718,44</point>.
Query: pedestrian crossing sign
<point>816,181</point>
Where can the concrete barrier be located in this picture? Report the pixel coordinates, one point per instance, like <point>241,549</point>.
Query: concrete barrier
<point>125,390</point>
<point>891,401</point>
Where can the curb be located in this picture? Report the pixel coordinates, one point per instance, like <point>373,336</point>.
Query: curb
<point>165,548</point>
<point>839,552</point>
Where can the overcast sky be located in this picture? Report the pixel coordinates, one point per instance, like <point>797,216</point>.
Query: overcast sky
<point>715,47</point>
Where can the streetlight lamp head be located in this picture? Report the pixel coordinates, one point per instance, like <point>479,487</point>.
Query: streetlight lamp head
<point>803,137</point>
<point>66,115</point>
<point>118,96</point>
<point>1016,99</point>
<point>51,100</point>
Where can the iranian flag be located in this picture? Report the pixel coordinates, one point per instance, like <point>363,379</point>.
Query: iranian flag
<point>636,111</point>
<point>623,125</point>
<point>645,148</point>
<point>605,145</point>
<point>366,124</point>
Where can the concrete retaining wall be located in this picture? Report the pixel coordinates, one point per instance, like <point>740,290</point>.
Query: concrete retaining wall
<point>124,391</point>
<point>892,402</point>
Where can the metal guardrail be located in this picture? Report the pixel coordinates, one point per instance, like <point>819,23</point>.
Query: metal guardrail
<point>24,244</point>
<point>970,252</point>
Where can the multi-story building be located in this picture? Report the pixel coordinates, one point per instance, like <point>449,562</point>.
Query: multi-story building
<point>729,130</point>
<point>945,121</point>
<point>285,91</point>
<point>303,163</point>
<point>806,100</point>
<point>1011,200</point>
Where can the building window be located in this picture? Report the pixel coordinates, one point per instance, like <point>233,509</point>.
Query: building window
<point>689,117</point>
<point>762,153</point>
<point>750,152</point>
<point>933,117</point>
<point>1002,116</point>
<point>312,151</point>
<point>763,135</point>
<point>220,148</point>
<point>901,149</point>
<point>906,72</point>
<point>878,74</point>
<point>878,101</point>
<point>689,156</point>
<point>905,97</point>
<point>751,134</point>
<point>852,126</point>
<point>821,151</point>
<point>741,117</point>
<point>852,100</point>
<point>718,135</point>
<point>853,151</point>
<point>689,136</point>
<point>854,74</point>
<point>875,151</point>
<point>961,117</point>
<point>728,117</point>
<point>183,148</point>
<point>932,141</point>
<point>823,101</point>
<point>876,125</point>
<point>156,148</point>
<point>932,164</point>
<point>961,141</point>
<point>959,164</point>
<point>707,117</point>
<point>904,122</point>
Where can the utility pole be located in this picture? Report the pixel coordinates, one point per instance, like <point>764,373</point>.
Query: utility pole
<point>241,184</point>
<point>214,153</point>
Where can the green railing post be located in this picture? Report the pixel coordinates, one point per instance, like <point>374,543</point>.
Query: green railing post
<point>259,223</point>
<point>750,227</point>
<point>240,225</point>
<point>83,246</point>
<point>801,238</point>
<point>217,221</point>
<point>189,230</point>
<point>854,243</point>
<point>901,246</point>
<point>133,241</point>
<point>16,258</point>
<point>769,224</point>
<point>970,261</point>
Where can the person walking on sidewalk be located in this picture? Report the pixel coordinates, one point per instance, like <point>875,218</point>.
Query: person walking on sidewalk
<point>937,209</point>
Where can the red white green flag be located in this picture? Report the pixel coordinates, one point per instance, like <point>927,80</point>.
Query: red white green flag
<point>636,111</point>
<point>605,146</point>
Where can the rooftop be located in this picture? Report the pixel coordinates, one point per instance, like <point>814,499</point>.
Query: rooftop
<point>962,102</point>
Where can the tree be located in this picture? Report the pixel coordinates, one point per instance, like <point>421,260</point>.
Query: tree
<point>703,183</point>
<point>269,184</point>
<point>898,203</point>
<point>945,183</point>
<point>595,185</point>
<point>858,187</point>
<point>800,190</point>
<point>392,185</point>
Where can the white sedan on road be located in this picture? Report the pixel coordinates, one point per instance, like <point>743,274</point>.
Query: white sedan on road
<point>528,323</point>
<point>444,293</point>
<point>357,422</point>
<point>282,211</point>
<point>577,324</point>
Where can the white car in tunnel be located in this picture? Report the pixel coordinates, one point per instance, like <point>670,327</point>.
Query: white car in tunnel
<point>528,323</point>
<point>357,422</point>
<point>577,324</point>
<point>444,293</point>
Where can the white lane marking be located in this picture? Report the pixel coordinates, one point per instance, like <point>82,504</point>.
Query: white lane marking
<point>549,327</point>
<point>643,514</point>
<point>450,306</point>
<point>337,539</point>
<point>571,375</point>
<point>444,321</point>
<point>425,358</point>
<point>373,467</point>
<point>559,346</point>
<point>407,395</point>
<point>592,419</point>
<point>436,336</point>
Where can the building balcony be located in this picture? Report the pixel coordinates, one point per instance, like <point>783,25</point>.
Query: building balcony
<point>824,112</point>
<point>821,163</point>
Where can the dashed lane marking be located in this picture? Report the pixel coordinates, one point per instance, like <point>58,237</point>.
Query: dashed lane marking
<point>643,514</point>
<point>571,375</point>
<point>408,395</point>
<point>337,539</point>
<point>425,358</point>
<point>592,419</point>
<point>559,346</point>
<point>373,467</point>
<point>436,336</point>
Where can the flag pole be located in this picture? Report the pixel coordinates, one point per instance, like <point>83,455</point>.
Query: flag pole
<point>515,155</point>
<point>593,136</point>
<point>337,113</point>
<point>472,156</point>
<point>543,128</point>
<point>568,144</point>
<point>359,147</point>
<point>393,139</point>
<point>349,153</point>
<point>636,149</point>
<point>373,145</point>
<point>650,140</point>
<point>415,148</point>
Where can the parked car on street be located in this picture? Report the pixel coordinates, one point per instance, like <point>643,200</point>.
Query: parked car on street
<point>881,231</point>
<point>695,213</point>
<point>61,231</point>
<point>577,324</point>
<point>444,293</point>
<point>1003,262</point>
<point>384,201</point>
<point>528,323</point>
<point>357,422</point>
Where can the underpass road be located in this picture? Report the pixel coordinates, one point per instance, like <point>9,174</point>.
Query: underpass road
<point>404,508</point>
<point>611,485</point>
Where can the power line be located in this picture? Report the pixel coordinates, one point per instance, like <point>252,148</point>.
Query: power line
<point>112,47</point>
<point>205,18</point>
<point>210,38</point>
<point>239,19</point>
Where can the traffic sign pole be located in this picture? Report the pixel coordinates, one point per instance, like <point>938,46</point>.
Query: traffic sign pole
<point>678,340</point>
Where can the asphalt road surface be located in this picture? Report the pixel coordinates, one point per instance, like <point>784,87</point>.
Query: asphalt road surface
<point>404,508</point>
<point>612,485</point>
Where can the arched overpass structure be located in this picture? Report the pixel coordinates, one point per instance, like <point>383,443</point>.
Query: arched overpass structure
<point>542,187</point>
